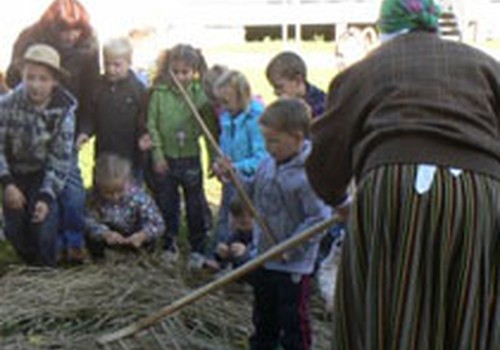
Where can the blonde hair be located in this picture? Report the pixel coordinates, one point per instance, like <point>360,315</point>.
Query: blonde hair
<point>118,48</point>
<point>110,167</point>
<point>238,83</point>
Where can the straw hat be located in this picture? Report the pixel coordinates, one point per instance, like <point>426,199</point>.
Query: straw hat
<point>45,55</point>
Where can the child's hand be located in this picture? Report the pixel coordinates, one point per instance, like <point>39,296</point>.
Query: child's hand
<point>222,250</point>
<point>145,142</point>
<point>221,167</point>
<point>238,249</point>
<point>113,238</point>
<point>14,198</point>
<point>137,239</point>
<point>81,140</point>
<point>161,167</point>
<point>41,211</point>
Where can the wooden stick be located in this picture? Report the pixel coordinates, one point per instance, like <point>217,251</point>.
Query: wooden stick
<point>235,274</point>
<point>232,174</point>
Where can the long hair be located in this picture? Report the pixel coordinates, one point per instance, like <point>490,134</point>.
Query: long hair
<point>181,52</point>
<point>66,14</point>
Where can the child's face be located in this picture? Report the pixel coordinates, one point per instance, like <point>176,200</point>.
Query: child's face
<point>183,72</point>
<point>116,68</point>
<point>291,88</point>
<point>282,145</point>
<point>113,189</point>
<point>228,100</point>
<point>243,222</point>
<point>40,82</point>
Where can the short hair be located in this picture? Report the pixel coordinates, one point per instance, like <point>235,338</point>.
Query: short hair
<point>110,166</point>
<point>209,79</point>
<point>237,207</point>
<point>118,48</point>
<point>288,115</point>
<point>238,83</point>
<point>288,65</point>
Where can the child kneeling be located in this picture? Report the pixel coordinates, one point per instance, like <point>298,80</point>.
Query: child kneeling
<point>119,214</point>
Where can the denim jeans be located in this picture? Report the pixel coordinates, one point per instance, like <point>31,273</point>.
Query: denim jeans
<point>222,229</point>
<point>72,205</point>
<point>35,243</point>
<point>185,174</point>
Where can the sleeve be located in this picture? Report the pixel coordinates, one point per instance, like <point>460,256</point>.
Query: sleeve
<point>314,211</point>
<point>88,123</point>
<point>207,112</point>
<point>60,157</point>
<point>150,218</point>
<point>153,127</point>
<point>329,167</point>
<point>89,81</point>
<point>93,224</point>
<point>25,39</point>
<point>5,175</point>
<point>257,147</point>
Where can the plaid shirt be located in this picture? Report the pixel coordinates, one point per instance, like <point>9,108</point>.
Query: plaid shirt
<point>134,212</point>
<point>34,141</point>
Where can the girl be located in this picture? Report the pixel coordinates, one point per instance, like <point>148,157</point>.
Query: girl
<point>36,141</point>
<point>119,214</point>
<point>175,137</point>
<point>241,140</point>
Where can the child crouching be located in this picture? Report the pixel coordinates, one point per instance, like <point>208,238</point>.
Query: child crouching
<point>119,214</point>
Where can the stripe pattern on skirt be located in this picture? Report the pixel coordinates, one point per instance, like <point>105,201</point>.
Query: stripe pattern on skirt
<point>420,271</point>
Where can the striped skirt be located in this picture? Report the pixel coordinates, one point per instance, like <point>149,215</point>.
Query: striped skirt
<point>420,271</point>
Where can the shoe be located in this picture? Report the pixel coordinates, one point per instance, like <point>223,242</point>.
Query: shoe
<point>196,261</point>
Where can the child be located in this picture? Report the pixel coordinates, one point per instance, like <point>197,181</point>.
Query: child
<point>287,73</point>
<point>235,250</point>
<point>36,141</point>
<point>119,213</point>
<point>284,198</point>
<point>208,83</point>
<point>175,135</point>
<point>240,140</point>
<point>116,108</point>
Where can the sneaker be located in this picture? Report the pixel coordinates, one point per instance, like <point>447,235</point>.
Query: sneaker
<point>196,261</point>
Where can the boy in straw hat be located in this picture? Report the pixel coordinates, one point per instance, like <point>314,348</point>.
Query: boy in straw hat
<point>419,119</point>
<point>36,141</point>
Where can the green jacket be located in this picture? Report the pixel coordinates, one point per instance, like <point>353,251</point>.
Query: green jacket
<point>174,129</point>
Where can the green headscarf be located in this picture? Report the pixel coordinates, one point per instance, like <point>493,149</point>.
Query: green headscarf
<point>397,15</point>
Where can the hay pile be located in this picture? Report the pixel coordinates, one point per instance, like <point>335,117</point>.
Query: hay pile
<point>70,308</point>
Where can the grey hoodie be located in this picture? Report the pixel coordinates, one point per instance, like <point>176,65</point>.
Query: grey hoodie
<point>284,198</point>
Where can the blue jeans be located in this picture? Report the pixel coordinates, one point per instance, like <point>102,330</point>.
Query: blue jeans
<point>35,243</point>
<point>72,204</point>
<point>222,230</point>
<point>184,173</point>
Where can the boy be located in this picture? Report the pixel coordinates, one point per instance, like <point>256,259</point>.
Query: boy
<point>117,106</point>
<point>283,196</point>
<point>36,141</point>
<point>235,250</point>
<point>287,73</point>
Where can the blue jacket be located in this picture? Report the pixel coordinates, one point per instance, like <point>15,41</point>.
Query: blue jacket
<point>241,138</point>
<point>284,198</point>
